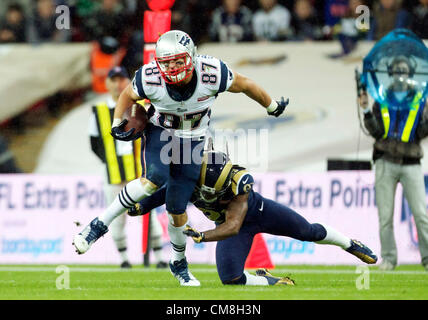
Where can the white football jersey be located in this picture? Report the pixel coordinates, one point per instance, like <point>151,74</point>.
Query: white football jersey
<point>189,115</point>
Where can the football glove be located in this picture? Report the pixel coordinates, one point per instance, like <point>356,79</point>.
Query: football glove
<point>119,132</point>
<point>196,235</point>
<point>280,108</point>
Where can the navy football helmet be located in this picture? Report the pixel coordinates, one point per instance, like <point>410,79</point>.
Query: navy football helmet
<point>215,178</point>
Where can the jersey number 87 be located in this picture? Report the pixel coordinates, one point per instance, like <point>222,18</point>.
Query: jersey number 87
<point>188,121</point>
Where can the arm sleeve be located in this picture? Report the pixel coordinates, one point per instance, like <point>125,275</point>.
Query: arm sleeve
<point>96,141</point>
<point>98,147</point>
<point>226,77</point>
<point>422,129</point>
<point>373,122</point>
<point>137,84</point>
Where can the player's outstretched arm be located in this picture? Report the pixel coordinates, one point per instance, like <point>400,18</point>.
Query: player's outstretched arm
<point>257,93</point>
<point>235,215</point>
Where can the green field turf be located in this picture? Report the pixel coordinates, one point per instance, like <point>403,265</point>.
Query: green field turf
<point>38,282</point>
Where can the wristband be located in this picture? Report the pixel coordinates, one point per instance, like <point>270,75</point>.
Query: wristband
<point>272,107</point>
<point>116,122</point>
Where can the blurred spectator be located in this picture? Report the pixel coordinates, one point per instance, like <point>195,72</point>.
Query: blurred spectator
<point>305,22</point>
<point>346,30</point>
<point>420,19</point>
<point>106,54</point>
<point>271,22</point>
<point>231,22</point>
<point>106,21</point>
<point>26,6</point>
<point>86,8</point>
<point>334,10</point>
<point>13,29</point>
<point>134,56</point>
<point>7,161</point>
<point>387,15</point>
<point>43,24</point>
<point>193,17</point>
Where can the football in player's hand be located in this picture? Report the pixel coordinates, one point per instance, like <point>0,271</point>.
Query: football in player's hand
<point>137,118</point>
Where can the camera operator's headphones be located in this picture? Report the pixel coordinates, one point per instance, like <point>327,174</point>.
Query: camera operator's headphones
<point>411,63</point>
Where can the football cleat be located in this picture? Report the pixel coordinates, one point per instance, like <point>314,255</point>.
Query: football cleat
<point>385,265</point>
<point>362,252</point>
<point>275,281</point>
<point>180,270</point>
<point>92,232</point>
<point>162,265</point>
<point>125,265</point>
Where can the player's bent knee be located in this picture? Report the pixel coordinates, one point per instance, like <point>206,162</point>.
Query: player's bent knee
<point>318,232</point>
<point>177,220</point>
<point>311,232</point>
<point>241,280</point>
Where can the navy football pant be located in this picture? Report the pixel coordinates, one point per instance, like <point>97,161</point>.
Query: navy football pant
<point>273,218</point>
<point>174,162</point>
<point>263,216</point>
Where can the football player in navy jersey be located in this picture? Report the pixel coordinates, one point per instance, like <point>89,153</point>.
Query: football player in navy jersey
<point>181,87</point>
<point>224,194</point>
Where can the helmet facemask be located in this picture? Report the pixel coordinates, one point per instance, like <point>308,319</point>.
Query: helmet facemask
<point>211,195</point>
<point>178,74</point>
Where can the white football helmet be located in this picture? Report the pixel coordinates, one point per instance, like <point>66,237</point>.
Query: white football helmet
<point>172,45</point>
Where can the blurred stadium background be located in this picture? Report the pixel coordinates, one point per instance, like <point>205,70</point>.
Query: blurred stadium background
<point>50,79</point>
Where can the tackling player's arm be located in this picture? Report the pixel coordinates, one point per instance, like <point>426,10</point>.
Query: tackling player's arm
<point>257,93</point>
<point>235,214</point>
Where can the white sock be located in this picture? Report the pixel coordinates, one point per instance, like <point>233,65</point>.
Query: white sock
<point>255,280</point>
<point>334,237</point>
<point>156,244</point>
<point>133,192</point>
<point>178,242</point>
<point>123,254</point>
<point>158,254</point>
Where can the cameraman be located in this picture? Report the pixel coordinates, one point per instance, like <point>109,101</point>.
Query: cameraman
<point>398,125</point>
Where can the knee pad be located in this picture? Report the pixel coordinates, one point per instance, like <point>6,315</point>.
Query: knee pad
<point>239,281</point>
<point>318,232</point>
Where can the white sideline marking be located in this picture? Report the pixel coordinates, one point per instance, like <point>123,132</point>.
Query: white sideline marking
<point>280,270</point>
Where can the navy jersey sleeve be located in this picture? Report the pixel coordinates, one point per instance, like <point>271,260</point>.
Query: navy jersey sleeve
<point>137,84</point>
<point>226,77</point>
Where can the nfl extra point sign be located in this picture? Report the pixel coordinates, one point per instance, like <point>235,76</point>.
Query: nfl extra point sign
<point>40,214</point>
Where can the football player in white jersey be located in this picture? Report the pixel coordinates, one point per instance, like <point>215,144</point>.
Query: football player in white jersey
<point>181,87</point>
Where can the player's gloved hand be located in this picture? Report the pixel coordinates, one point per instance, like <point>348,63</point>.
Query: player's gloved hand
<point>195,234</point>
<point>135,211</point>
<point>118,132</point>
<point>278,109</point>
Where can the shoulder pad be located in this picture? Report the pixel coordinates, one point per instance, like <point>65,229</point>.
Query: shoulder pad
<point>242,182</point>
